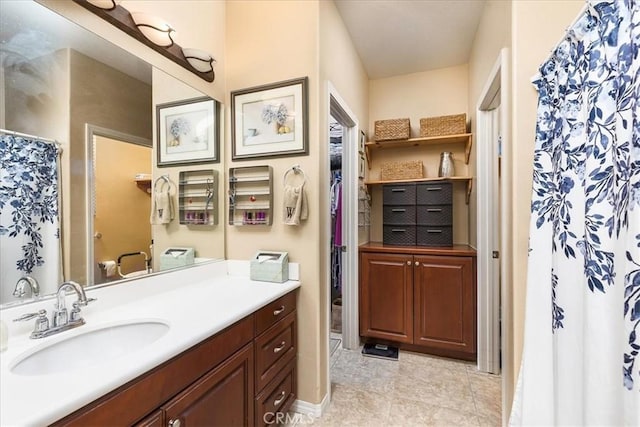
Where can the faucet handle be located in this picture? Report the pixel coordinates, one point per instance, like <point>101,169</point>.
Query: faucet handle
<point>29,316</point>
<point>87,301</point>
<point>42,323</point>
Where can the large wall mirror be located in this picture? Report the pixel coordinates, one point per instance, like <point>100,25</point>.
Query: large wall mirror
<point>94,101</point>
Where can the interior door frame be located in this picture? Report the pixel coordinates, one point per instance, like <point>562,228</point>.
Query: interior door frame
<point>90,132</point>
<point>495,318</point>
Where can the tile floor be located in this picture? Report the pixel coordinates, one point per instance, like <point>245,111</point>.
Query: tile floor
<point>416,390</point>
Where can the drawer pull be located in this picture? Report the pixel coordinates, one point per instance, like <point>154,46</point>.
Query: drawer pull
<point>434,188</point>
<point>175,423</point>
<point>398,210</point>
<point>398,230</point>
<point>434,231</point>
<point>278,311</point>
<point>279,399</point>
<point>398,190</point>
<point>279,348</point>
<point>434,210</point>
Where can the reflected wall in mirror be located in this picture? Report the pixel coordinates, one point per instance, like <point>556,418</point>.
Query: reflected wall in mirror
<point>61,82</point>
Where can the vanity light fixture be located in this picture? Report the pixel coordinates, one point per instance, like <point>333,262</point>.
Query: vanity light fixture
<point>153,32</point>
<point>199,59</point>
<point>105,4</point>
<point>154,28</point>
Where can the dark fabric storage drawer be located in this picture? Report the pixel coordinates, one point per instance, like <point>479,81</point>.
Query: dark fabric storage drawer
<point>398,214</point>
<point>399,234</point>
<point>435,193</point>
<point>434,215</point>
<point>399,194</point>
<point>434,236</point>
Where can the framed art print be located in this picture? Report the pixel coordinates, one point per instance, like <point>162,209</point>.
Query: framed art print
<point>270,120</point>
<point>188,132</point>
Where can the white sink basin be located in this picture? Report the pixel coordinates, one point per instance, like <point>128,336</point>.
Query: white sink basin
<point>89,348</point>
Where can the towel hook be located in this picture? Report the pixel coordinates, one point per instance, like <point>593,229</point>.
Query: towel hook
<point>164,178</point>
<point>296,169</point>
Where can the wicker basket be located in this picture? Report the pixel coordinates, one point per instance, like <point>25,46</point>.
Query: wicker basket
<point>389,130</point>
<point>443,125</point>
<point>401,170</point>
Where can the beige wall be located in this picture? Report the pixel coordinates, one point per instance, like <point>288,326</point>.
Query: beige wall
<point>530,47</point>
<point>493,34</point>
<point>98,96</point>
<point>415,96</point>
<point>208,241</point>
<point>269,42</point>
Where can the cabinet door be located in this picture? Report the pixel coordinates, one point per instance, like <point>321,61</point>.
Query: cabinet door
<point>386,295</point>
<point>445,303</point>
<point>223,397</point>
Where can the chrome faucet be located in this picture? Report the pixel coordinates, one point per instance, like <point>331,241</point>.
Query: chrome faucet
<point>60,317</point>
<point>61,320</point>
<point>24,283</point>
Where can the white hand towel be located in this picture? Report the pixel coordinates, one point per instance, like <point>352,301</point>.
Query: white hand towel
<point>162,209</point>
<point>295,204</point>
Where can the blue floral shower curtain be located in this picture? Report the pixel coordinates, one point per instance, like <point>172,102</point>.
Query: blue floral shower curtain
<point>29,222</point>
<point>580,362</point>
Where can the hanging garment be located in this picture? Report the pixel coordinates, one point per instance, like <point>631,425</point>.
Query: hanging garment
<point>337,233</point>
<point>580,361</point>
<point>29,214</point>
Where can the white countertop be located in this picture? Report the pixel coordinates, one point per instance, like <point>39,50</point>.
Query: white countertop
<point>196,303</point>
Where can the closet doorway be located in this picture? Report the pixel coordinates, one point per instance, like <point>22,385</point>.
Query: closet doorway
<point>343,243</point>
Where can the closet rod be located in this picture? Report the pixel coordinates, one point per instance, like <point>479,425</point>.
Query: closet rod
<point>26,135</point>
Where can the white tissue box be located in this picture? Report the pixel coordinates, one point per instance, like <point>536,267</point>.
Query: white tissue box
<point>270,266</point>
<point>176,257</point>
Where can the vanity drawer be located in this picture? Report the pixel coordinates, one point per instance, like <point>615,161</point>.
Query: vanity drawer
<point>398,215</point>
<point>277,396</point>
<point>274,311</point>
<point>274,349</point>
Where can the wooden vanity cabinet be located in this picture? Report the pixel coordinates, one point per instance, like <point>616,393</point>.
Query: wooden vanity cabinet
<point>275,348</point>
<point>422,299</point>
<point>233,378</point>
<point>223,397</point>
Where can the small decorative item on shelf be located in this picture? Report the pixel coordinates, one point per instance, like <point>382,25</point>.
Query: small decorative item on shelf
<point>446,170</point>
<point>443,125</point>
<point>393,129</point>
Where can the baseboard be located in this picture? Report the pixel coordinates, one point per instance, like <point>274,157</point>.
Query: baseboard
<point>316,410</point>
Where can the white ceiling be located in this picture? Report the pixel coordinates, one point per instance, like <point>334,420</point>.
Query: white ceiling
<point>395,37</point>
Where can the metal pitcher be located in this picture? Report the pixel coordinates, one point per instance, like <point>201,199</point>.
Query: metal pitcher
<point>445,170</point>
